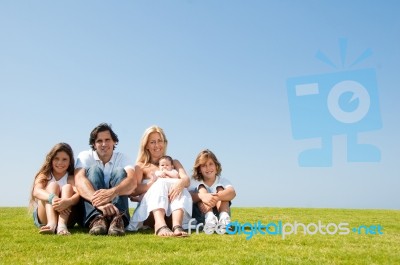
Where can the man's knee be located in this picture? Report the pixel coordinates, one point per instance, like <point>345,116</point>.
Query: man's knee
<point>96,177</point>
<point>120,171</point>
<point>94,172</point>
<point>118,174</point>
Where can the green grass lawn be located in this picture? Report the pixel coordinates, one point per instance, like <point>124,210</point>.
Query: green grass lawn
<point>22,244</point>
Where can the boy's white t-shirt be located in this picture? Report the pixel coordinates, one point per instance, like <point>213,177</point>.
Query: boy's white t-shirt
<point>219,182</point>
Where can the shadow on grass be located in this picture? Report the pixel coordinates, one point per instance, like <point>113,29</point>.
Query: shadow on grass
<point>79,230</point>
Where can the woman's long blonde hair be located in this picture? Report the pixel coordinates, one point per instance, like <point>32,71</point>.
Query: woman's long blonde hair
<point>144,154</point>
<point>44,173</point>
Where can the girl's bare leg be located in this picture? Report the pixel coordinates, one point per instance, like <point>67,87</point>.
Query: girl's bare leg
<point>51,214</point>
<point>66,192</point>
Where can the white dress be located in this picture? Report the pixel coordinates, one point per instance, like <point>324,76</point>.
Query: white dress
<point>157,198</point>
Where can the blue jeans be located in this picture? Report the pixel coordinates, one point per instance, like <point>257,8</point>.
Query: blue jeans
<point>96,177</point>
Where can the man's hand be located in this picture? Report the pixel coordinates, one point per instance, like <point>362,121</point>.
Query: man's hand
<point>109,209</point>
<point>102,197</point>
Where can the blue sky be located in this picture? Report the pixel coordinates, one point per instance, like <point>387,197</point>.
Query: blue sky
<point>213,74</point>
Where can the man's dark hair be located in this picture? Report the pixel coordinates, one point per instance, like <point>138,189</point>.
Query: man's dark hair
<point>102,127</point>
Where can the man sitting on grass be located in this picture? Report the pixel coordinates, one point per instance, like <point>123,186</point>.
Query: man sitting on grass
<point>104,179</point>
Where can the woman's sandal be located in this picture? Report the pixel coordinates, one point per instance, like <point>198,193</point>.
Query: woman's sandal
<point>47,230</point>
<point>180,231</point>
<point>164,231</point>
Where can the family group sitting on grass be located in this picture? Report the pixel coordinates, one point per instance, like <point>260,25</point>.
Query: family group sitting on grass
<point>95,190</point>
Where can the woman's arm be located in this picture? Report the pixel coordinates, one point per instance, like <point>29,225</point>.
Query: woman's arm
<point>185,180</point>
<point>141,188</point>
<point>182,183</point>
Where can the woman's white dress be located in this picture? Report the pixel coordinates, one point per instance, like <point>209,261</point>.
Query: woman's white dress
<point>157,198</point>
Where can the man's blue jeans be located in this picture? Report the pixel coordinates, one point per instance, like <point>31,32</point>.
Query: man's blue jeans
<point>96,176</point>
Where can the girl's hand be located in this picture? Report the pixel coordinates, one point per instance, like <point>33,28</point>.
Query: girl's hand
<point>60,205</point>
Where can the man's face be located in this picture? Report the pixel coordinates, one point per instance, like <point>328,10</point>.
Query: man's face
<point>104,146</point>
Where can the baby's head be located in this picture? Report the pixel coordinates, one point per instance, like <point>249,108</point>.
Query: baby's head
<point>165,162</point>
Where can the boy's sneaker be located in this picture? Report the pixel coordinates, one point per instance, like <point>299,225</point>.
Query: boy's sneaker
<point>211,223</point>
<point>223,222</point>
<point>211,220</point>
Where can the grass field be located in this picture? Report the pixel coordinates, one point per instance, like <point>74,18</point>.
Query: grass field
<point>21,243</point>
